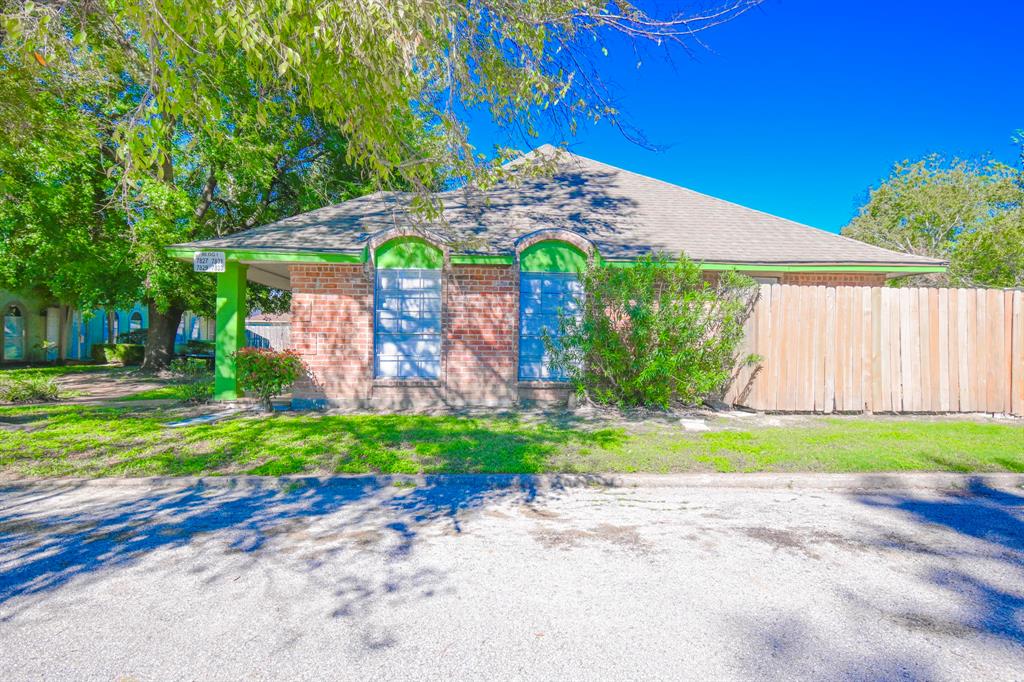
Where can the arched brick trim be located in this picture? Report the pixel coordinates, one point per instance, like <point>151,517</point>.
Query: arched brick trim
<point>555,234</point>
<point>384,236</point>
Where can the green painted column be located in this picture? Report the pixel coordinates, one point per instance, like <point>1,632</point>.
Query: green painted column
<point>230,329</point>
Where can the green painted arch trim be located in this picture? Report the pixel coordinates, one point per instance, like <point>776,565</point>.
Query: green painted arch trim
<point>552,255</point>
<point>408,252</point>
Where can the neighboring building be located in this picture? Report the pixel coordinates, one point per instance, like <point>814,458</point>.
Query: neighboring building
<point>31,328</point>
<point>386,312</point>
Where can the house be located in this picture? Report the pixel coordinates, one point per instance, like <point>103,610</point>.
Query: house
<point>390,312</point>
<point>31,327</point>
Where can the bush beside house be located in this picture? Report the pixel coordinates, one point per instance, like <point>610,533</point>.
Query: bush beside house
<point>653,334</point>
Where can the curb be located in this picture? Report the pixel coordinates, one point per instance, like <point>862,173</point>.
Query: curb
<point>852,483</point>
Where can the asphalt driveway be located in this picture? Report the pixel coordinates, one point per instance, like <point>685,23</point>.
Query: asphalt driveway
<point>465,579</point>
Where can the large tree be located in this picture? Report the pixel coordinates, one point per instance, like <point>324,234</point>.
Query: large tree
<point>87,218</point>
<point>203,109</point>
<point>968,212</point>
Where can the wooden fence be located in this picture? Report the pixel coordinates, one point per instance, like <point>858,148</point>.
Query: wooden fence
<point>855,349</point>
<point>276,335</point>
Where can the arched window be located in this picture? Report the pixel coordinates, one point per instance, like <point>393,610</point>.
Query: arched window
<point>548,286</point>
<point>14,333</point>
<point>407,310</point>
<point>135,321</point>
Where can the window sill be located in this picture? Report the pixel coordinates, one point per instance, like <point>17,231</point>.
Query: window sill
<point>407,383</point>
<point>544,383</point>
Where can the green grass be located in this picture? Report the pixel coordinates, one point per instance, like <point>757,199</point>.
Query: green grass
<point>53,441</point>
<point>168,392</point>
<point>19,371</point>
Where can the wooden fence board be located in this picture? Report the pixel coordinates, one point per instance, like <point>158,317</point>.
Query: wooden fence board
<point>896,363</point>
<point>1007,370</point>
<point>972,377</point>
<point>923,332</point>
<point>941,347</point>
<point>877,404</point>
<point>994,329</point>
<point>867,350</point>
<point>830,349</point>
<point>1017,353</point>
<point>855,349</point>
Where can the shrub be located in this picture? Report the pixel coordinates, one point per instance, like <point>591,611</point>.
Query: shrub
<point>199,347</point>
<point>653,334</point>
<point>119,353</point>
<point>28,388</point>
<point>194,378</point>
<point>266,373</point>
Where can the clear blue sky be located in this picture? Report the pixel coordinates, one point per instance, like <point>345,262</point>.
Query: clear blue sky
<point>802,105</point>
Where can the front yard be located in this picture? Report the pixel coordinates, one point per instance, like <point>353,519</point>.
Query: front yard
<point>98,440</point>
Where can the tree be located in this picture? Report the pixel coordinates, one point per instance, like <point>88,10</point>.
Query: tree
<point>215,115</point>
<point>87,222</point>
<point>371,69</point>
<point>56,239</point>
<point>969,212</point>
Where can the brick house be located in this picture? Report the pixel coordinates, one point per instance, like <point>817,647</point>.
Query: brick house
<point>388,312</point>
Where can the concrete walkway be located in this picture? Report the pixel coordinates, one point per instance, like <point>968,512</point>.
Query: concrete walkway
<point>764,577</point>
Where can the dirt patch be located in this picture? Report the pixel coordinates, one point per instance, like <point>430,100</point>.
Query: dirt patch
<point>115,384</point>
<point>933,626</point>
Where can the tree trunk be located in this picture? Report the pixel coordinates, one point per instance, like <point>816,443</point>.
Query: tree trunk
<point>111,326</point>
<point>63,327</point>
<point>160,337</point>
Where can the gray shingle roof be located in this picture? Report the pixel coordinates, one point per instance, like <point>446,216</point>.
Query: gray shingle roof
<point>623,213</point>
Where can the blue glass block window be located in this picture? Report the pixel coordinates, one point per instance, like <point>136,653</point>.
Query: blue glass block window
<point>541,296</point>
<point>407,324</point>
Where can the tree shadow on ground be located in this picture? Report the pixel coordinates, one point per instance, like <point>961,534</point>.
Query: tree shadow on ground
<point>964,553</point>
<point>990,521</point>
<point>86,532</point>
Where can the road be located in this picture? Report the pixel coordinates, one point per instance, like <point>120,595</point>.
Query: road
<point>464,579</point>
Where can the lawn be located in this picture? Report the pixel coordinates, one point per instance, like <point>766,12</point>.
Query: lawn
<point>69,440</point>
<point>54,371</point>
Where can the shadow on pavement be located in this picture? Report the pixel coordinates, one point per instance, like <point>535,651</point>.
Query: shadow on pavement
<point>85,531</point>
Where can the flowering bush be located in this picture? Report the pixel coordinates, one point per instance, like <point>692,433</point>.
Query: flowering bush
<point>266,373</point>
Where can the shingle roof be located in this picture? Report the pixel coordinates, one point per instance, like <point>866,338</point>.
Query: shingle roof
<point>622,213</point>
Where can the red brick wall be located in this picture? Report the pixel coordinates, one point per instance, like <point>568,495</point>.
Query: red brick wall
<point>332,330</point>
<point>481,332</point>
<point>835,279</point>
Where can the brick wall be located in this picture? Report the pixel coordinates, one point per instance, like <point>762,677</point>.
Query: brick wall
<point>481,333</point>
<point>332,330</point>
<point>835,279</point>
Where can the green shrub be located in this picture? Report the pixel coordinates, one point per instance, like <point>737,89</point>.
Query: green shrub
<point>653,334</point>
<point>194,379</point>
<point>199,347</point>
<point>265,372</point>
<point>119,353</point>
<point>28,388</point>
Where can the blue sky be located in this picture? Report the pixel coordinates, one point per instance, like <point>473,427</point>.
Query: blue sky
<point>802,105</point>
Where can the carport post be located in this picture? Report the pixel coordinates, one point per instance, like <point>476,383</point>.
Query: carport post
<point>230,329</point>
